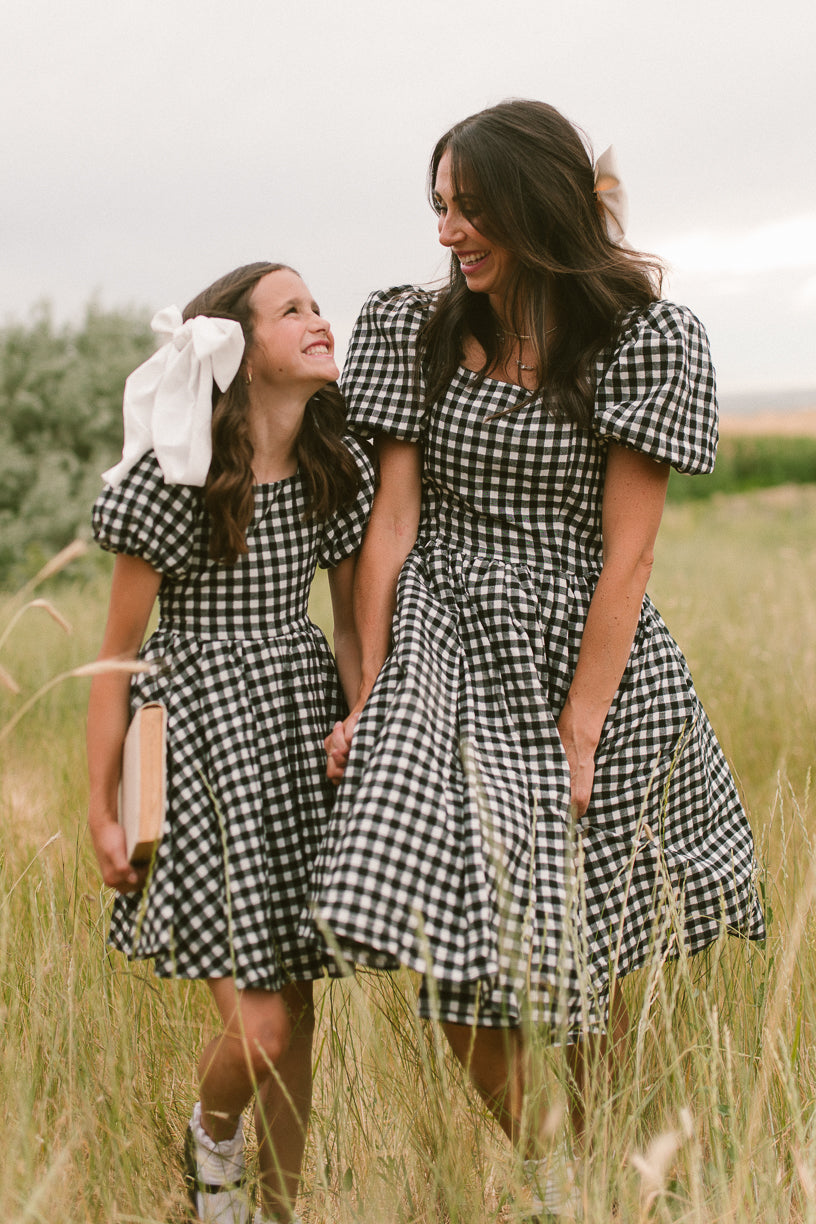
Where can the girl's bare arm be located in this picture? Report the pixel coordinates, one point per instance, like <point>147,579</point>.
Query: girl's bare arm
<point>390,536</point>
<point>134,589</point>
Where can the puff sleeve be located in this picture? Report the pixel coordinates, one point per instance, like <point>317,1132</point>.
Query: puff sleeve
<point>658,395</point>
<point>144,517</point>
<point>344,531</point>
<point>383,388</point>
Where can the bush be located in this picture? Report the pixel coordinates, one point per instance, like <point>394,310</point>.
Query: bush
<point>60,426</point>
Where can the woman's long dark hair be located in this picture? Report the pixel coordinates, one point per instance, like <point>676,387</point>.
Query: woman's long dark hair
<point>329,473</point>
<point>531,181</point>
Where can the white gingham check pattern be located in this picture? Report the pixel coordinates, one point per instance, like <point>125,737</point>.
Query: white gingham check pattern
<point>251,689</point>
<point>451,847</point>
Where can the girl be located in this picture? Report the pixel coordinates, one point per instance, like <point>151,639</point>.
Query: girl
<point>534,790</point>
<point>240,400</point>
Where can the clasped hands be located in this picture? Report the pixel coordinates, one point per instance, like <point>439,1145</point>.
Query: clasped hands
<point>338,744</point>
<point>581,763</point>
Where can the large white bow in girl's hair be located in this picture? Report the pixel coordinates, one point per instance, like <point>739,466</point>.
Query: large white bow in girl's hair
<point>168,399</point>
<point>611,195</point>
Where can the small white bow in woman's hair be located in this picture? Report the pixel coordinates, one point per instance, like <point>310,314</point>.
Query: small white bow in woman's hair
<point>611,195</point>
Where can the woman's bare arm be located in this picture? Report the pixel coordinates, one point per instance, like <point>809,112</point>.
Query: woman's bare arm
<point>634,495</point>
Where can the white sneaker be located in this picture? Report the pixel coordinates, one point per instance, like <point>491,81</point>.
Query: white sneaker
<point>214,1174</point>
<point>262,1219</point>
<point>552,1188</point>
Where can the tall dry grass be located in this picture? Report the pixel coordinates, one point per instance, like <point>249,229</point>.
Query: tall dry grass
<point>712,1115</point>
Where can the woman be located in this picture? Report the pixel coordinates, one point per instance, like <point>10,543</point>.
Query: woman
<point>235,483</point>
<point>534,799</point>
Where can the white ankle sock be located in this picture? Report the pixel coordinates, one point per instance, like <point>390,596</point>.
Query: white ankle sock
<point>218,1162</point>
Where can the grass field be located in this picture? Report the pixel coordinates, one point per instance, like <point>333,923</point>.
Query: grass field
<point>713,1116</point>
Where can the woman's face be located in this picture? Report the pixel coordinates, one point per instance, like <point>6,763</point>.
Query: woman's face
<point>293,347</point>
<point>486,266</point>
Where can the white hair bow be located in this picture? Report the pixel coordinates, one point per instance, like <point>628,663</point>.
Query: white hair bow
<point>168,399</point>
<point>611,195</point>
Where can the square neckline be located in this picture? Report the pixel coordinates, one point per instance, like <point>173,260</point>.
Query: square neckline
<point>501,382</point>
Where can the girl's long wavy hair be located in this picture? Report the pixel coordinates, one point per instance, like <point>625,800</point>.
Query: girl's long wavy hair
<point>329,473</point>
<point>531,183</point>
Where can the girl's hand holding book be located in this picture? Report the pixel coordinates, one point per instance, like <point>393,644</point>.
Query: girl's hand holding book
<point>109,844</point>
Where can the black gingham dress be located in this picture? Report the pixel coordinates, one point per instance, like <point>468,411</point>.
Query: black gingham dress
<point>251,690</point>
<point>451,847</point>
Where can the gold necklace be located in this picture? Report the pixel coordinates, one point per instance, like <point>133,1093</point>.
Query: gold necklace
<point>520,336</point>
<point>504,335</point>
<point>514,335</point>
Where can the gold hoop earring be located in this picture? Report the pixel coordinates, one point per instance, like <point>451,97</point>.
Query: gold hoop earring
<point>248,378</point>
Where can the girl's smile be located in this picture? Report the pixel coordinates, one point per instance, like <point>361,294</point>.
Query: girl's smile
<point>293,345</point>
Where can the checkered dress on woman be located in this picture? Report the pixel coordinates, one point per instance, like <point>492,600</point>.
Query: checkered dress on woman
<point>451,847</point>
<point>251,689</point>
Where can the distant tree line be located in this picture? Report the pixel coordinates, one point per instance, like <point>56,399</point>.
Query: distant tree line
<point>60,425</point>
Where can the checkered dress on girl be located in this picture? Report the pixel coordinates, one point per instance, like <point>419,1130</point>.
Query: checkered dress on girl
<point>451,847</point>
<point>251,689</point>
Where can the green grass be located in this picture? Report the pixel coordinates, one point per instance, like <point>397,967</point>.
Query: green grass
<point>750,462</point>
<point>97,1068</point>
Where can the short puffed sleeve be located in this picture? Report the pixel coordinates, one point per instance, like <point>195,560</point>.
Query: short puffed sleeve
<point>381,381</point>
<point>144,517</point>
<point>658,395</point>
<point>344,531</point>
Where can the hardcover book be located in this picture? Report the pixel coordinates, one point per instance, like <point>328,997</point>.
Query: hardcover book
<point>143,791</point>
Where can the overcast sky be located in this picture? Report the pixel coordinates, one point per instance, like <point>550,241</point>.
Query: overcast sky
<point>150,145</point>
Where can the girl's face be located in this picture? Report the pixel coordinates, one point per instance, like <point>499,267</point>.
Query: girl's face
<point>486,265</point>
<point>293,347</point>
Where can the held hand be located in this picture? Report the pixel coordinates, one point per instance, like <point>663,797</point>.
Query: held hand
<point>582,775</point>
<point>581,760</point>
<point>109,843</point>
<point>338,744</point>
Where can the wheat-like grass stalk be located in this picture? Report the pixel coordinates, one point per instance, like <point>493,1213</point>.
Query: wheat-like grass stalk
<point>96,1067</point>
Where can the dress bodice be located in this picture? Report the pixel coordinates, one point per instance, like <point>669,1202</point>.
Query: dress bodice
<point>501,473</point>
<point>502,476</point>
